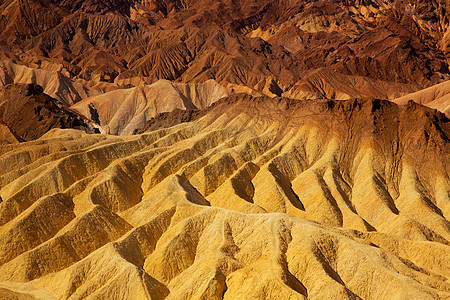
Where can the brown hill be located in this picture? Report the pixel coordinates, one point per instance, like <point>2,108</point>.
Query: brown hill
<point>436,96</point>
<point>262,197</point>
<point>28,113</point>
<point>326,84</point>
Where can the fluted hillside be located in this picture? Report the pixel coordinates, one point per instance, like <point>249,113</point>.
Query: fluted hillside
<point>251,198</point>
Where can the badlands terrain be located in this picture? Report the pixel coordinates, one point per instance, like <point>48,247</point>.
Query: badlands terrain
<point>218,149</point>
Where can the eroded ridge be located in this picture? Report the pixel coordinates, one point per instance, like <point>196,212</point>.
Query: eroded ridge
<point>268,198</point>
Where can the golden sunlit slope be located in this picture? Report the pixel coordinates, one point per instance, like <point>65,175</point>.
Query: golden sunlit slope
<point>251,198</point>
